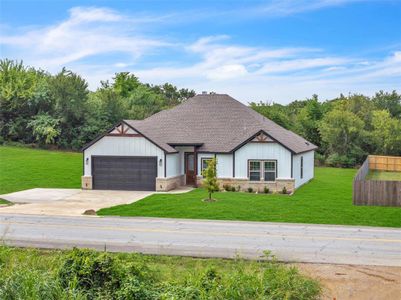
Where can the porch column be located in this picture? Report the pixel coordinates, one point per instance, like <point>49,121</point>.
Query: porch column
<point>195,166</point>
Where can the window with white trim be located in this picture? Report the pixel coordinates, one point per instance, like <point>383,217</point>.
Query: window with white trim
<point>254,170</point>
<point>269,170</point>
<point>262,170</point>
<point>204,162</point>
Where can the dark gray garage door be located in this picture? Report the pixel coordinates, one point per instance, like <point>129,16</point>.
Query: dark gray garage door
<point>124,173</point>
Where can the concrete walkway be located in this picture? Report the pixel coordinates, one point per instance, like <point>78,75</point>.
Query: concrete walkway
<point>69,202</point>
<point>356,245</point>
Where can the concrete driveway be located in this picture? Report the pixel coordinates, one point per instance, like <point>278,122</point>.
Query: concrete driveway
<point>68,202</point>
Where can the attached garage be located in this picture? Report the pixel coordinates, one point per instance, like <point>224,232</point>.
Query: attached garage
<point>124,173</point>
<point>123,159</point>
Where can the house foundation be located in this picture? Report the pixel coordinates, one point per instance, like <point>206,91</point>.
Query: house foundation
<point>169,183</point>
<point>258,186</point>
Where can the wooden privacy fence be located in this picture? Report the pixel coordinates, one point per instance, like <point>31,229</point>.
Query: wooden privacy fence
<point>377,192</point>
<point>385,163</point>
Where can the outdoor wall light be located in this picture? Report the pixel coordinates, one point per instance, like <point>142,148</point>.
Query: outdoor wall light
<point>87,160</point>
<point>160,162</point>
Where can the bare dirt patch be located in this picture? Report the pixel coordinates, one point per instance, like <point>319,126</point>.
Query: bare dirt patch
<point>356,282</point>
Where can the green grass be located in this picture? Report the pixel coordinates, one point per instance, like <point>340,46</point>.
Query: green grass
<point>83,274</point>
<point>327,199</point>
<point>2,201</point>
<point>384,175</point>
<point>23,168</point>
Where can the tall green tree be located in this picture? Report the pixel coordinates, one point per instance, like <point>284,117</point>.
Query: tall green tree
<point>308,120</point>
<point>70,94</point>
<point>23,93</point>
<point>45,128</point>
<point>342,131</point>
<point>386,133</point>
<point>125,83</point>
<point>388,101</point>
<point>172,94</point>
<point>273,111</point>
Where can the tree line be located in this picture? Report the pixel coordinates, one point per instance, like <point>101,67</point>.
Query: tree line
<point>37,107</point>
<point>59,110</point>
<point>346,129</point>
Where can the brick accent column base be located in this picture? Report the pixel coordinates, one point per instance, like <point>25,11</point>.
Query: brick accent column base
<point>86,182</point>
<point>169,183</point>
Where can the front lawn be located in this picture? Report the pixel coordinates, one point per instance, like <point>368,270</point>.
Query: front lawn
<point>327,199</point>
<point>24,168</point>
<point>384,175</point>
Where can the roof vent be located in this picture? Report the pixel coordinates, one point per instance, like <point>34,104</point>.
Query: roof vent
<point>204,93</point>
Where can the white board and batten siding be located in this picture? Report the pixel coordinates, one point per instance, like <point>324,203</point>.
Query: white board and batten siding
<point>308,167</point>
<point>173,165</point>
<point>263,151</point>
<point>224,164</point>
<point>123,146</point>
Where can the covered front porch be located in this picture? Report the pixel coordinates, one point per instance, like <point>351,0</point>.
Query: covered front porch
<point>181,168</point>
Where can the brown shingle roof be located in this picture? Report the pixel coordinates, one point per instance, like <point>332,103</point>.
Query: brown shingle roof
<point>218,121</point>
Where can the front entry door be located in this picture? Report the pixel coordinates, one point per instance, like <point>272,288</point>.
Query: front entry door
<point>190,168</point>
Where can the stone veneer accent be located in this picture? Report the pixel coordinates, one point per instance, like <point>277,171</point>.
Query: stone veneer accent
<point>86,182</point>
<point>169,183</point>
<point>259,186</point>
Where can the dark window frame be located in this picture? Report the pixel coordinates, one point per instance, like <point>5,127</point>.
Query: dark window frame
<point>269,171</point>
<point>262,169</point>
<point>302,167</point>
<point>255,171</point>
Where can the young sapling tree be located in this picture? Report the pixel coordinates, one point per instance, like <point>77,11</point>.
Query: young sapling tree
<point>210,178</point>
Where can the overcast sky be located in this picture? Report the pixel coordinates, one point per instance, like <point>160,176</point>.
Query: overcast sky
<point>253,50</point>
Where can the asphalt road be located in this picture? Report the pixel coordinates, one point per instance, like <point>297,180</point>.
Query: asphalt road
<point>227,239</point>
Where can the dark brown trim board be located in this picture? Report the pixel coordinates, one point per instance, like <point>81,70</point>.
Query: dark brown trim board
<point>111,129</point>
<point>305,151</point>
<point>165,165</point>
<point>292,165</point>
<point>185,144</point>
<point>233,164</point>
<point>149,139</point>
<point>256,134</point>
<point>86,146</point>
<point>195,166</point>
<point>125,134</point>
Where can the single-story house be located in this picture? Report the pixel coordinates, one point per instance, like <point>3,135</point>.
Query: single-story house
<point>171,148</point>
